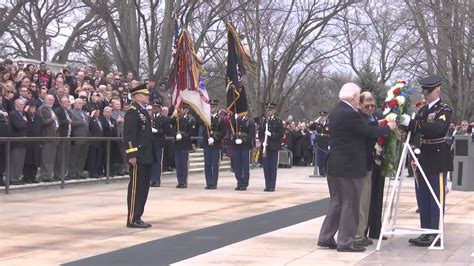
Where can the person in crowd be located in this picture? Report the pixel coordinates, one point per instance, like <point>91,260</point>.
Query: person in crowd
<point>432,122</point>
<point>18,126</point>
<point>45,78</point>
<point>160,129</point>
<point>60,92</point>
<point>183,127</point>
<point>23,94</point>
<point>4,132</point>
<point>110,130</point>
<point>63,151</point>
<point>43,91</point>
<point>347,165</point>
<point>8,96</point>
<point>33,149</point>
<point>79,148</point>
<point>243,133</point>
<point>140,155</point>
<point>271,129</point>
<point>94,157</point>
<point>212,139</point>
<point>463,129</point>
<point>50,129</point>
<point>302,143</point>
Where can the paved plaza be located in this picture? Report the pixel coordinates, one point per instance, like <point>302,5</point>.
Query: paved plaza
<point>84,224</point>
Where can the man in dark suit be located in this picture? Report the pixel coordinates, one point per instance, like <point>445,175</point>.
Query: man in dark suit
<point>94,157</point>
<point>33,149</point>
<point>63,113</point>
<point>271,128</point>
<point>161,128</point>
<point>212,146</point>
<point>18,122</point>
<point>79,149</point>
<point>137,137</point>
<point>110,130</point>
<point>347,165</point>
<point>4,132</point>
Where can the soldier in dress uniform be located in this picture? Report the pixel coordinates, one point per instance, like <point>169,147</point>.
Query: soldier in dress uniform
<point>137,138</point>
<point>161,128</point>
<point>270,129</point>
<point>212,146</point>
<point>322,140</point>
<point>243,133</point>
<point>432,122</point>
<point>183,127</point>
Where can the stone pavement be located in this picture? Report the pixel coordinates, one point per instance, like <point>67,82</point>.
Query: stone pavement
<point>54,226</point>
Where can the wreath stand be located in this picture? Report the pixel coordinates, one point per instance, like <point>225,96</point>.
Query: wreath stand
<point>389,225</point>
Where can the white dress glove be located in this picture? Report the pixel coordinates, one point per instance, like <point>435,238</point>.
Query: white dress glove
<point>210,141</point>
<point>238,141</point>
<point>405,120</point>
<point>179,136</point>
<point>268,133</point>
<point>154,130</point>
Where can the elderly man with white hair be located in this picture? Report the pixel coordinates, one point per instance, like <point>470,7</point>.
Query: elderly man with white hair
<point>50,129</point>
<point>346,168</point>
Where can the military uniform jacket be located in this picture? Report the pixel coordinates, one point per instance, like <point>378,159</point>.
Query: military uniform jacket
<point>322,134</point>
<point>186,129</point>
<point>432,124</point>
<point>137,135</point>
<point>217,131</point>
<point>162,125</point>
<point>275,126</point>
<point>244,129</point>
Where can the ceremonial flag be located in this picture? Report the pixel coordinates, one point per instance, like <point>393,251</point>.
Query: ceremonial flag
<point>238,63</point>
<point>186,80</point>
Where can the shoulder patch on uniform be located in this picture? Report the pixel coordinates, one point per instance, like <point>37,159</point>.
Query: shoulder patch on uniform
<point>443,117</point>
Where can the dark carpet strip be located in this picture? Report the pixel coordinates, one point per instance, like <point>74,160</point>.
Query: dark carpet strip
<point>176,248</point>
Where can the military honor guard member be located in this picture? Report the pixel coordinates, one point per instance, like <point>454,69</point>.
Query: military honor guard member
<point>270,132</point>
<point>432,122</point>
<point>183,127</point>
<point>212,146</point>
<point>137,137</point>
<point>160,128</point>
<point>243,133</point>
<point>322,141</point>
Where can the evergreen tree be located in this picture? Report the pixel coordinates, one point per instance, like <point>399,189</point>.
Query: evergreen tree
<point>368,80</point>
<point>101,57</point>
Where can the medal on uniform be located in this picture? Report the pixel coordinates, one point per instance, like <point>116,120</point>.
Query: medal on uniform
<point>431,117</point>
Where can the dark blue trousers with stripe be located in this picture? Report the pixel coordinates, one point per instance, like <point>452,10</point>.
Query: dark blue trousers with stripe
<point>211,165</point>
<point>270,166</point>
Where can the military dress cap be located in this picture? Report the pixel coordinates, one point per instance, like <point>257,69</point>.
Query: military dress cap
<point>156,103</point>
<point>323,113</point>
<point>214,102</point>
<point>430,83</point>
<point>270,105</point>
<point>185,105</point>
<point>142,88</point>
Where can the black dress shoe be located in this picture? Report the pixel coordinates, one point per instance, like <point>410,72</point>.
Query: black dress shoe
<point>34,181</point>
<point>376,237</point>
<point>327,245</point>
<point>426,241</point>
<point>364,242</point>
<point>207,187</point>
<point>351,248</point>
<point>237,188</point>
<point>16,182</point>
<point>266,190</point>
<point>47,180</point>
<point>139,224</point>
<point>415,240</point>
<point>181,186</point>
<point>154,184</point>
<point>243,188</point>
<point>213,187</point>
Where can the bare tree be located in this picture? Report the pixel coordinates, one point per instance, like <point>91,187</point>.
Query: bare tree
<point>446,28</point>
<point>7,15</point>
